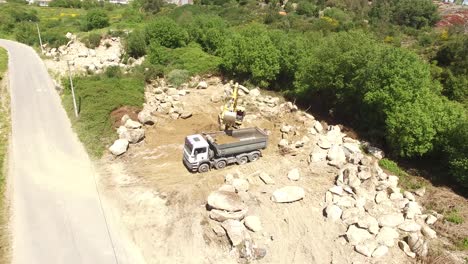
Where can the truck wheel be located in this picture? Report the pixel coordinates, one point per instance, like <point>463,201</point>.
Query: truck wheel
<point>204,168</point>
<point>242,160</point>
<point>220,164</point>
<point>254,156</point>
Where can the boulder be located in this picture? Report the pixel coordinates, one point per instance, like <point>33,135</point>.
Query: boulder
<point>430,220</point>
<point>227,201</point>
<point>417,245</point>
<point>380,251</point>
<point>387,236</point>
<point>428,232</point>
<point>145,118</point>
<point>396,196</point>
<point>393,181</point>
<point>324,143</point>
<point>406,249</point>
<point>391,220</point>
<point>218,230</point>
<point>318,126</point>
<point>333,212</point>
<point>119,147</point>
<point>132,124</point>
<point>121,131</point>
<point>227,188</point>
<point>221,215</point>
<point>236,231</point>
<point>241,185</point>
<point>293,175</point>
<point>368,222</point>
<point>186,114</point>
<point>124,119</point>
<point>202,85</point>
<point>318,156</point>
<point>345,201</point>
<point>244,89</point>
<point>351,215</point>
<point>253,223</point>
<point>266,178</point>
<point>336,154</point>
<point>288,194</point>
<point>356,235</point>
<point>255,92</point>
<point>352,148</point>
<point>376,152</point>
<point>420,192</point>
<point>336,190</point>
<point>172,91</point>
<point>283,143</point>
<point>328,198</point>
<point>409,226</point>
<point>412,209</point>
<point>133,135</point>
<point>409,196</point>
<point>366,248</point>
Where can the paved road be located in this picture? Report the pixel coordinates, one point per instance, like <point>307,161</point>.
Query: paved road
<point>57,217</point>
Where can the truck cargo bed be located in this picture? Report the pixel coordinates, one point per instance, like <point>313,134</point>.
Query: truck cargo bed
<point>237,141</point>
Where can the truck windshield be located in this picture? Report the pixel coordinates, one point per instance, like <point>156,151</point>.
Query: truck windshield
<point>188,147</point>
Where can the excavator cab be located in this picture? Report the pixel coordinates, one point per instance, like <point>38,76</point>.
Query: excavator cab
<point>232,115</point>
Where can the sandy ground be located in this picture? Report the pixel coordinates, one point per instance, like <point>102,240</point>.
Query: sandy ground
<point>163,205</point>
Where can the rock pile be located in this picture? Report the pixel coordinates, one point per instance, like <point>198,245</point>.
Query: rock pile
<point>130,132</point>
<point>369,202</point>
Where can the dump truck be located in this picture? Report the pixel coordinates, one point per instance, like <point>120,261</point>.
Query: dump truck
<point>219,149</point>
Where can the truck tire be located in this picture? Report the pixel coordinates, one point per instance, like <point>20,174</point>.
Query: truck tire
<point>205,167</point>
<point>220,164</point>
<point>242,160</point>
<point>254,156</point>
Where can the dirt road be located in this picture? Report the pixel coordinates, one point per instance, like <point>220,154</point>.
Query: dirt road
<point>57,214</point>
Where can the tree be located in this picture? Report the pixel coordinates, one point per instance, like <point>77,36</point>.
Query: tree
<point>166,32</point>
<point>135,45</point>
<point>209,31</point>
<point>251,54</point>
<point>307,8</point>
<point>95,19</point>
<point>412,13</point>
<point>149,6</point>
<point>456,150</point>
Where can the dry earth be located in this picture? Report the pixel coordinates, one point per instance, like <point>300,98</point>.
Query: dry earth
<point>164,206</point>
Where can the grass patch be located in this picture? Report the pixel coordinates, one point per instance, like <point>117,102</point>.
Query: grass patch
<point>407,181</point>
<point>463,244</point>
<point>4,136</point>
<point>97,96</point>
<point>454,216</point>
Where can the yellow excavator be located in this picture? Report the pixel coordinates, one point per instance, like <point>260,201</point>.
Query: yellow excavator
<point>232,115</point>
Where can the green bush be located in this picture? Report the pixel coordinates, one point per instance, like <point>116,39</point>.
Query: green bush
<point>26,33</point>
<point>456,149</point>
<point>66,3</point>
<point>135,46</point>
<point>209,31</point>
<point>454,216</point>
<point>177,77</point>
<point>412,13</point>
<point>307,8</point>
<point>392,167</point>
<point>54,39</point>
<point>193,59</point>
<point>113,72</point>
<point>166,32</point>
<point>95,19</point>
<point>93,40</point>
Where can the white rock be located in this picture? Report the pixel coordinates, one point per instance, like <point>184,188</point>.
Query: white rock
<point>376,152</point>
<point>409,226</point>
<point>225,201</point>
<point>318,156</point>
<point>417,245</point>
<point>145,117</point>
<point>333,212</point>
<point>351,215</point>
<point>430,220</point>
<point>132,124</point>
<point>324,143</point>
<point>409,196</point>
<point>328,198</point>
<point>369,222</point>
<point>227,188</point>
<point>121,131</point>
<point>186,114</point>
<point>69,35</point>
<point>221,215</point>
<point>366,248</point>
<point>336,190</point>
<point>133,135</point>
<point>255,92</point>
<point>412,209</point>
<point>345,201</point>
<point>381,197</point>
<point>380,251</point>
<point>336,154</point>
<point>318,126</point>
<point>283,143</point>
<point>228,178</point>
<point>294,175</point>
<point>406,249</point>
<point>253,223</point>
<point>124,118</point>
<point>387,236</point>
<point>428,232</point>
<point>420,192</point>
<point>356,235</point>
<point>393,181</point>
<point>288,194</point>
<point>119,147</point>
<point>352,147</point>
<point>396,196</point>
<point>266,178</point>
<point>236,231</point>
<point>202,85</point>
<point>390,220</point>
<point>241,185</point>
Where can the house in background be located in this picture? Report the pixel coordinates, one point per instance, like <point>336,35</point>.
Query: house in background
<point>39,2</point>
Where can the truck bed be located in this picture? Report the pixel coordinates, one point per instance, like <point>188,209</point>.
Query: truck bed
<point>237,141</point>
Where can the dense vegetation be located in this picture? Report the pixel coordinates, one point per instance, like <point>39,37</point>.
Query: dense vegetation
<point>382,69</point>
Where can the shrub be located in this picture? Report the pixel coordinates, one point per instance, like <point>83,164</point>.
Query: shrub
<point>135,45</point>
<point>166,32</point>
<point>307,8</point>
<point>54,39</point>
<point>177,77</point>
<point>92,41</point>
<point>392,167</point>
<point>26,33</point>
<point>454,216</point>
<point>193,59</point>
<point>95,19</point>
<point>113,72</point>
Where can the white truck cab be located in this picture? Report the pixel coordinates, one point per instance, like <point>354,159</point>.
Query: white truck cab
<point>196,150</point>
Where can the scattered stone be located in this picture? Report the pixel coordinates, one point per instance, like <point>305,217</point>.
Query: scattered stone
<point>124,118</point>
<point>227,188</point>
<point>228,178</point>
<point>381,196</point>
<point>324,143</point>
<point>225,201</point>
<point>218,230</point>
<point>405,248</point>
<point>396,196</point>
<point>134,135</point>
<point>412,209</point>
<point>391,220</point>
<point>186,115</point>
<point>241,185</point>
<point>202,85</point>
<point>119,147</point>
<point>417,245</point>
<point>393,181</point>
<point>420,192</point>
<point>366,248</point>
<point>351,215</point>
<point>328,198</point>
<point>283,143</point>
<point>376,152</point>
<point>409,196</point>
<point>430,220</point>
<point>336,190</point>
<point>318,126</point>
<point>288,194</point>
<point>255,92</point>
<point>387,236</point>
<point>318,156</point>
<point>132,124</point>
<point>333,212</point>
<point>369,222</point>
<point>236,231</point>
<point>221,215</point>
<point>409,226</point>
<point>428,232</point>
<point>345,201</point>
<point>266,178</point>
<point>145,118</point>
<point>286,128</point>
<point>356,235</point>
<point>336,153</point>
<point>253,223</point>
<point>293,175</point>
<point>380,251</point>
